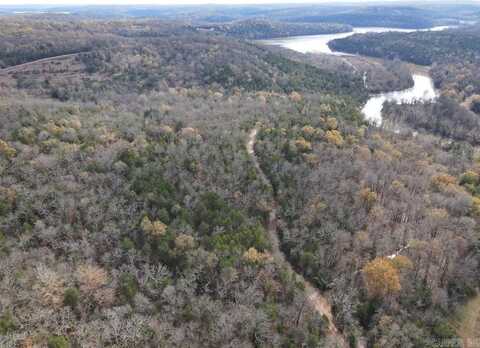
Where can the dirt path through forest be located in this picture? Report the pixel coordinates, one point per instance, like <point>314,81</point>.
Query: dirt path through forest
<point>468,323</point>
<point>314,297</point>
<point>43,60</point>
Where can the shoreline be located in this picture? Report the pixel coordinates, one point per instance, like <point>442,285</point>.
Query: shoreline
<point>423,87</point>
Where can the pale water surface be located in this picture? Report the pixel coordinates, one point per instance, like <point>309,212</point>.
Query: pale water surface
<point>319,43</point>
<point>423,88</point>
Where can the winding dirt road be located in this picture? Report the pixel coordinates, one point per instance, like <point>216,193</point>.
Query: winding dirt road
<point>314,297</point>
<point>43,60</point>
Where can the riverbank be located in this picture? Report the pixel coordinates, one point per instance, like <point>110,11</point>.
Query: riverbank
<point>422,89</point>
<point>415,69</point>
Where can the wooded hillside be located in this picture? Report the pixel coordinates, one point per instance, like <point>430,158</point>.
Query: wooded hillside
<point>132,214</point>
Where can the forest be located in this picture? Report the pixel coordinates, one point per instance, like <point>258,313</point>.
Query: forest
<point>383,75</point>
<point>133,213</point>
<point>399,17</point>
<point>445,118</point>
<point>370,194</point>
<point>256,29</point>
<point>394,14</point>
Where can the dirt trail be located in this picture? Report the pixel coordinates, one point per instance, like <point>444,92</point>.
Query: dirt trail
<point>43,60</point>
<point>314,297</point>
<point>347,62</point>
<point>468,323</point>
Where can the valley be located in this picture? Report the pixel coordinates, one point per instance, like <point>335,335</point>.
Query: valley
<point>269,175</point>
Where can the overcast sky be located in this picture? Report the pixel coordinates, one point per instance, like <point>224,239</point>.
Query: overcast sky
<point>172,2</point>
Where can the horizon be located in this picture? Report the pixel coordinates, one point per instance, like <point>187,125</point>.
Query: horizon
<point>53,3</point>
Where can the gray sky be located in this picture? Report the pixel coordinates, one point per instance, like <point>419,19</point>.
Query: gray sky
<point>170,2</point>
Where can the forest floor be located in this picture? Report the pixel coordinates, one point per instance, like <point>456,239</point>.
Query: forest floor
<point>317,301</point>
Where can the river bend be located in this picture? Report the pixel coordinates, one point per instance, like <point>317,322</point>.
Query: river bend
<point>422,90</point>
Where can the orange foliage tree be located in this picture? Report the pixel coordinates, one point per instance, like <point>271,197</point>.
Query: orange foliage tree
<point>381,277</point>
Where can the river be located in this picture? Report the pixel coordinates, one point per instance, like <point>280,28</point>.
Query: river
<point>423,88</point>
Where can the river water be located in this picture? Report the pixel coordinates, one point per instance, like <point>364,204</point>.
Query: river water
<point>423,88</point>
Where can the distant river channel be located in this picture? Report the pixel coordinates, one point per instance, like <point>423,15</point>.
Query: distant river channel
<point>423,88</point>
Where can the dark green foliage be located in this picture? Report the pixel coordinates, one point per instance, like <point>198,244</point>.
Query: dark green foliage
<point>128,287</point>
<point>365,312</point>
<point>310,78</point>
<point>58,342</point>
<point>127,244</point>
<point>255,29</point>
<point>131,159</point>
<point>3,247</point>
<point>238,241</point>
<point>470,179</point>
<point>71,297</point>
<point>7,323</point>
<point>231,245</point>
<point>212,212</point>
<point>4,207</point>
<point>461,290</point>
<point>443,330</point>
<point>162,249</point>
<point>149,183</point>
<point>352,341</point>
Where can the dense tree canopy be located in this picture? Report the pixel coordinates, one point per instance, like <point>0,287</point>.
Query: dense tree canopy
<point>352,198</point>
<point>132,214</point>
<point>256,29</point>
